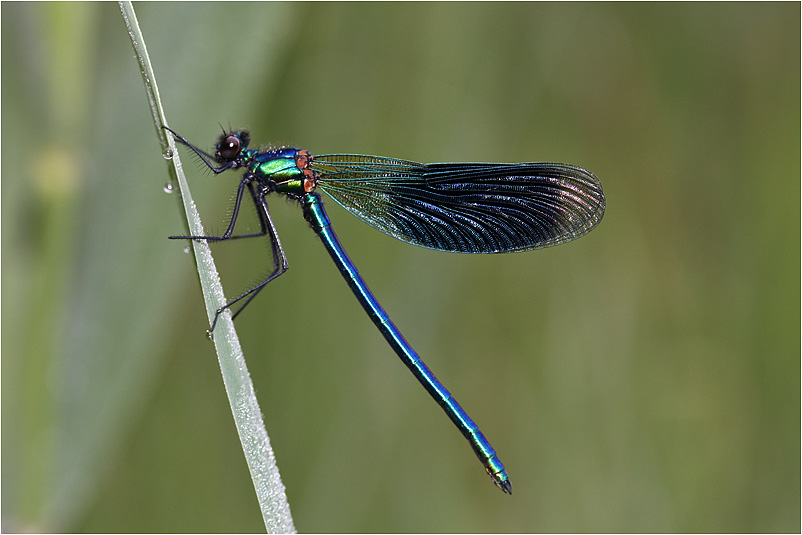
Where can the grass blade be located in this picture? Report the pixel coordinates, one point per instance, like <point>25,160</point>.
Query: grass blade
<point>244,405</point>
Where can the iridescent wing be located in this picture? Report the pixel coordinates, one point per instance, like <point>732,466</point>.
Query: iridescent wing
<point>465,207</point>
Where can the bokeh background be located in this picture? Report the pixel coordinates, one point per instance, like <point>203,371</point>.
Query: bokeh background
<point>643,378</point>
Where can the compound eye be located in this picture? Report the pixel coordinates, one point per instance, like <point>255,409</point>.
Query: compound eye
<point>229,148</point>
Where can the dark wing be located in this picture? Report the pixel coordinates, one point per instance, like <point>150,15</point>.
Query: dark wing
<point>465,207</point>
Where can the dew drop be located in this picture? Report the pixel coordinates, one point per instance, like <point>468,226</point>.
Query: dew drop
<point>168,187</point>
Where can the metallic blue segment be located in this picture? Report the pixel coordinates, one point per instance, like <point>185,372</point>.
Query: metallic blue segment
<point>486,449</point>
<point>317,217</point>
<point>496,466</point>
<point>460,419</point>
<point>273,154</point>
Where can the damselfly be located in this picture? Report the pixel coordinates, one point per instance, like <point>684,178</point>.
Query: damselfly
<point>458,207</point>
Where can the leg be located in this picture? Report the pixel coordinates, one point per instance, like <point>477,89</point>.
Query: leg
<point>227,235</point>
<point>205,157</point>
<point>279,259</point>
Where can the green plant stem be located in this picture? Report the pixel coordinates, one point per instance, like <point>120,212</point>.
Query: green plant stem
<point>244,405</point>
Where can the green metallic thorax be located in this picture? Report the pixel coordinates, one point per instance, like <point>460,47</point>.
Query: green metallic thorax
<point>279,167</point>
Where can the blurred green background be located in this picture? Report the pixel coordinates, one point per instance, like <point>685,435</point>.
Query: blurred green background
<point>643,378</point>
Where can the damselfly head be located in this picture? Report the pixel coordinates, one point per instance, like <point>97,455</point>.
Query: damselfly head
<point>229,146</point>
